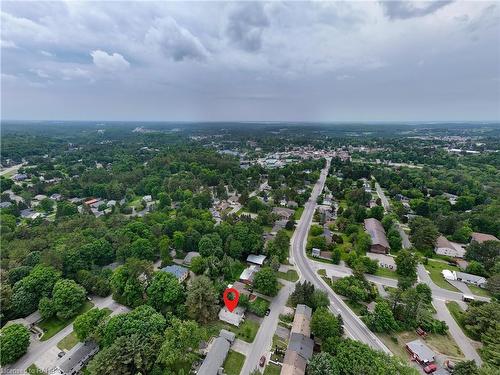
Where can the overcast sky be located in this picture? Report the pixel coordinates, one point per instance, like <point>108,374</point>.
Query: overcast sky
<point>322,61</point>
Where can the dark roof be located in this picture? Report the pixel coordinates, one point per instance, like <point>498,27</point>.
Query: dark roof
<point>301,344</point>
<point>376,231</point>
<point>215,357</point>
<point>72,359</point>
<point>175,270</point>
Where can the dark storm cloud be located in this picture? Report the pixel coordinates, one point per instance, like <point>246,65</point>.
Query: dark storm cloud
<point>245,25</point>
<point>411,9</point>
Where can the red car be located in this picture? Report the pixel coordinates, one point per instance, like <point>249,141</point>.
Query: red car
<point>262,361</point>
<point>430,369</point>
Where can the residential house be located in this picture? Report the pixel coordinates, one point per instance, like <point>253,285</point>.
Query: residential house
<point>325,213</point>
<point>56,197</point>
<point>420,352</point>
<point>256,259</point>
<point>445,247</point>
<point>248,275</point>
<point>234,317</point>
<point>147,198</point>
<point>292,204</point>
<point>181,273</point>
<point>464,277</point>
<point>20,177</point>
<point>212,364</point>
<point>189,257</point>
<point>75,359</point>
<point>283,213</point>
<point>377,234</point>
<point>5,204</point>
<point>300,346</point>
<point>482,237</point>
<point>471,279</point>
<point>30,214</point>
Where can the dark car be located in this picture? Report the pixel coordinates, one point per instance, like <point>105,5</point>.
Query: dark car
<point>268,311</point>
<point>262,361</point>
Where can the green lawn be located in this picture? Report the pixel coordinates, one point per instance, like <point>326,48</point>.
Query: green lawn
<point>233,363</point>
<point>290,275</point>
<point>479,291</point>
<point>246,331</point>
<point>435,268</point>
<point>33,370</point>
<point>322,272</point>
<point>68,342</point>
<point>298,213</point>
<point>53,325</point>
<point>385,272</point>
<point>272,369</point>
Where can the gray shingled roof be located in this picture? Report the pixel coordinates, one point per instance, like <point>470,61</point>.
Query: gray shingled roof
<point>215,357</point>
<point>301,344</point>
<point>304,310</point>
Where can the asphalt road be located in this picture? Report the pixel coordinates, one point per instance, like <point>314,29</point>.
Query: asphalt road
<point>263,340</point>
<point>38,349</point>
<point>353,326</point>
<point>383,198</point>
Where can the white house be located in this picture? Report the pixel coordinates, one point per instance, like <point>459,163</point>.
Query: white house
<point>445,247</point>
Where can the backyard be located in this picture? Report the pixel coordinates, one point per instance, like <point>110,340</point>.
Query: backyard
<point>272,369</point>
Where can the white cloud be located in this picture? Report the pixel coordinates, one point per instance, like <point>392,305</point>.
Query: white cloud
<point>7,44</point>
<point>40,73</point>
<point>74,73</point>
<point>109,62</point>
<point>47,53</point>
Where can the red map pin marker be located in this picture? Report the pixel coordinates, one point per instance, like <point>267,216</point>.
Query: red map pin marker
<point>231,303</point>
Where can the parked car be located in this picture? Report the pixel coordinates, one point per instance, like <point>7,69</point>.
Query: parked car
<point>430,368</point>
<point>262,361</point>
<point>268,311</point>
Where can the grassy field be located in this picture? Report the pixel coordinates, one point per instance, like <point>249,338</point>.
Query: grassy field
<point>298,213</point>
<point>272,369</point>
<point>479,291</point>
<point>53,325</point>
<point>384,272</point>
<point>68,342</point>
<point>435,269</point>
<point>290,275</point>
<point>322,272</point>
<point>233,363</point>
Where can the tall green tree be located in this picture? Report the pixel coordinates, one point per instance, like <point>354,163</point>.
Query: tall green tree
<point>14,342</point>
<point>202,302</point>
<point>165,292</point>
<point>266,282</point>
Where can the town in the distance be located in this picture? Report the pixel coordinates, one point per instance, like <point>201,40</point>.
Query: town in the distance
<point>354,248</point>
